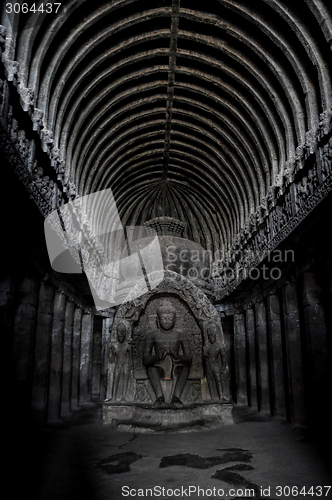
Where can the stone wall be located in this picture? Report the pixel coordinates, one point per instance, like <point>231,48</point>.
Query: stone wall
<point>55,343</point>
<point>59,350</point>
<point>280,336</point>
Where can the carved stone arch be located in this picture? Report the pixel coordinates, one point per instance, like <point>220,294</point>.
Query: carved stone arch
<point>171,283</point>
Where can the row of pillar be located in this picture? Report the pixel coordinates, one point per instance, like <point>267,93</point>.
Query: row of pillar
<point>281,350</point>
<point>59,350</point>
<point>280,361</point>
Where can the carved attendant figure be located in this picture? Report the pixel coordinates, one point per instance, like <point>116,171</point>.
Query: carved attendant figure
<point>216,369</point>
<point>166,340</point>
<point>121,356</point>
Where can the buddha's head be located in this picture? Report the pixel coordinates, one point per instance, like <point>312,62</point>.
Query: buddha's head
<point>166,315</point>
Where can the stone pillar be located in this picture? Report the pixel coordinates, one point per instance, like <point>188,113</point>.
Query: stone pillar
<point>23,340</point>
<point>42,352</point>
<point>85,359</point>
<point>277,367</point>
<point>294,353</point>
<point>96,358</point>
<point>263,356</point>
<point>318,370</point>
<point>67,359</point>
<point>251,357</point>
<point>330,276</point>
<point>54,399</point>
<point>76,348</point>
<point>106,342</point>
<point>240,359</point>
<point>7,286</point>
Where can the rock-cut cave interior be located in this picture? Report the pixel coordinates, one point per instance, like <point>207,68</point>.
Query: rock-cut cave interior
<point>166,170</point>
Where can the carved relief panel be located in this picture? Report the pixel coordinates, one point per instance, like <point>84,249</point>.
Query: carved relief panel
<point>170,346</point>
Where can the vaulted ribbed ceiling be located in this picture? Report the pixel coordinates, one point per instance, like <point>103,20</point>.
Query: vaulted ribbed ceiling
<point>186,109</point>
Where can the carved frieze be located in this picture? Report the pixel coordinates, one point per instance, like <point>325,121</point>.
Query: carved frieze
<point>298,199</point>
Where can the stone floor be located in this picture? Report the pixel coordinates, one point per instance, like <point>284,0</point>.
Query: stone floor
<point>86,460</point>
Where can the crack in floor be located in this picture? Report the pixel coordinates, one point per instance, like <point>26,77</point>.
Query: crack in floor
<point>127,442</point>
<point>119,462</point>
<point>199,462</point>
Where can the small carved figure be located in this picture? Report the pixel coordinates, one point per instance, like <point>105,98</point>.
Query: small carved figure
<point>37,119</point>
<point>327,163</point>
<point>302,192</point>
<point>121,355</point>
<point>216,367</point>
<point>288,206</point>
<point>312,180</point>
<point>14,130</point>
<point>37,177</point>
<point>49,192</point>
<point>162,342</point>
<point>71,190</point>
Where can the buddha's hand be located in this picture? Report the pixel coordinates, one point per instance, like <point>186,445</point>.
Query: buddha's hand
<point>162,354</point>
<point>185,360</point>
<point>154,358</point>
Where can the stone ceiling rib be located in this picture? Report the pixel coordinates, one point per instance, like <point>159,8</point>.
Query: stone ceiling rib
<point>210,99</point>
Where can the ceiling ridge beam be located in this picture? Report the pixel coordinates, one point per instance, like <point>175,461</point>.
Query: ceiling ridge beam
<point>171,81</point>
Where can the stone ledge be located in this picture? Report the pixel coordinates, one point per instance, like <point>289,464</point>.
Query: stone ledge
<point>149,419</point>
